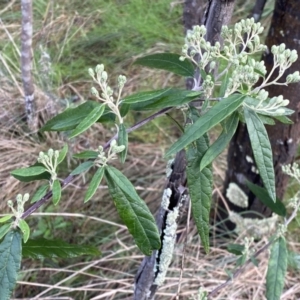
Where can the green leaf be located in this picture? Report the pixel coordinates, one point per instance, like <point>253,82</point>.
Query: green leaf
<point>214,116</point>
<point>266,120</point>
<point>56,191</point>
<point>236,249</point>
<point>71,117</point>
<point>144,96</point>
<point>262,150</point>
<point>133,211</point>
<point>169,62</point>
<point>40,193</point>
<point>87,154</point>
<point>124,109</point>
<point>262,194</point>
<point>200,187</point>
<point>6,218</point>
<point>224,85</point>
<point>82,168</point>
<point>25,229</point>
<point>62,154</point>
<point>123,140</point>
<point>284,119</point>
<point>96,180</point>
<point>28,172</point>
<point>171,98</point>
<point>88,121</point>
<point>41,248</point>
<point>36,172</point>
<point>4,229</point>
<point>223,140</point>
<point>10,262</point>
<point>276,269</point>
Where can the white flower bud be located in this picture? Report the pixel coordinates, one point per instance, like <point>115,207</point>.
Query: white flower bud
<point>91,72</point>
<point>285,102</point>
<point>25,197</point>
<point>99,69</point>
<point>281,47</point>
<point>50,153</point>
<point>10,203</point>
<point>104,76</point>
<point>94,92</point>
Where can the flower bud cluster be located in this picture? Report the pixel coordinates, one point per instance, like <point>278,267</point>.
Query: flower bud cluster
<point>21,200</point>
<point>50,161</point>
<point>239,45</point>
<point>100,76</point>
<point>292,170</point>
<point>114,149</point>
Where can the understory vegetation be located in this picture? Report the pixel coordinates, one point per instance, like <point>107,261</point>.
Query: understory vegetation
<point>70,37</point>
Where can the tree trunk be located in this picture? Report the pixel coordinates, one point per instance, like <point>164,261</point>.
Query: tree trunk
<point>285,28</point>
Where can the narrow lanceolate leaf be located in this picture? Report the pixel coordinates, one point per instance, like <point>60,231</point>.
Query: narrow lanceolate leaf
<point>6,218</point>
<point>87,154</point>
<point>96,180</point>
<point>62,154</point>
<point>262,194</point>
<point>41,248</point>
<point>10,261</point>
<point>82,168</point>
<point>223,140</point>
<point>40,193</point>
<point>56,191</point>
<point>36,172</point>
<point>170,98</point>
<point>28,172</point>
<point>88,121</point>
<point>276,269</point>
<point>133,211</point>
<point>71,117</point>
<point>123,140</point>
<point>200,187</point>
<point>25,229</point>
<point>262,150</point>
<point>169,62</point>
<point>214,116</point>
<point>145,96</point>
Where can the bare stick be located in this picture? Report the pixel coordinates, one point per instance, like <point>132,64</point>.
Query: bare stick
<point>26,64</point>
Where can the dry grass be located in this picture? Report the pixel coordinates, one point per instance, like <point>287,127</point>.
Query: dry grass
<point>97,223</point>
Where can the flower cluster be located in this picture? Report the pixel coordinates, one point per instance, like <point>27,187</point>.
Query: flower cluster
<point>100,76</point>
<point>236,62</point>
<point>20,205</point>
<point>50,161</point>
<point>103,159</point>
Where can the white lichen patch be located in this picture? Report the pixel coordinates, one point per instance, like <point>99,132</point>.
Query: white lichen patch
<point>165,202</point>
<point>254,170</point>
<point>236,195</point>
<point>249,159</point>
<point>168,244</point>
<point>256,228</point>
<point>169,167</point>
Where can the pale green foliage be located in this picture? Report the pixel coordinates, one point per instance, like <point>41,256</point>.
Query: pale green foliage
<point>100,76</point>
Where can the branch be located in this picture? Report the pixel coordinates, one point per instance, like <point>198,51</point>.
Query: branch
<point>70,178</point>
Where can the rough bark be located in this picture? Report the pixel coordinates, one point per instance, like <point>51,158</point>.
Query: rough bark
<point>218,13</point>
<point>26,64</point>
<point>285,28</point>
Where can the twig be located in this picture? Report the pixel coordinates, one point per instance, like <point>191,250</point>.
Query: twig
<point>70,178</point>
